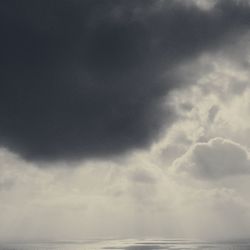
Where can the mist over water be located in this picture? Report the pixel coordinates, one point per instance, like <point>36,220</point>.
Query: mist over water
<point>130,244</point>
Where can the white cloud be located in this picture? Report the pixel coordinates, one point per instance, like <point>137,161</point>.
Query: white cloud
<point>215,159</point>
<point>133,197</point>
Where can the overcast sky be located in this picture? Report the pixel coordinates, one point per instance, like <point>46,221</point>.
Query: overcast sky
<point>124,119</point>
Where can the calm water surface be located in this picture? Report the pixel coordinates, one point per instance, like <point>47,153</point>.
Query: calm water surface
<point>129,244</point>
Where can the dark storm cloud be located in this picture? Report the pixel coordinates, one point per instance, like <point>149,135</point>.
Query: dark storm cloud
<point>87,78</point>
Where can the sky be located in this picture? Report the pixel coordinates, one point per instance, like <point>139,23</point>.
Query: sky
<point>124,119</point>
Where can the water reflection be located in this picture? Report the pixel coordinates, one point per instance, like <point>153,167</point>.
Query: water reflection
<point>129,244</point>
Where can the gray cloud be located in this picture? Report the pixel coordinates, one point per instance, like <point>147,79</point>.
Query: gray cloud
<point>215,159</point>
<point>141,175</point>
<point>87,78</point>
<point>6,184</point>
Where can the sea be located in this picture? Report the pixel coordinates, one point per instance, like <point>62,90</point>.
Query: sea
<point>128,244</point>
